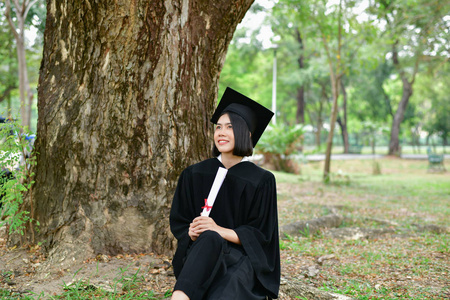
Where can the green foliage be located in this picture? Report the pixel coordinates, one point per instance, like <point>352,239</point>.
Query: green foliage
<point>305,232</point>
<point>368,91</point>
<point>372,82</point>
<point>279,143</point>
<point>16,159</point>
<point>431,95</point>
<point>8,71</point>
<point>247,68</point>
<point>281,139</point>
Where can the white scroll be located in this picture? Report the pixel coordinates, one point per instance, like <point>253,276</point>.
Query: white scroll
<point>209,202</point>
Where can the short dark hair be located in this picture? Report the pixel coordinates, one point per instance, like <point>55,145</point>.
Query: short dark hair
<point>243,145</point>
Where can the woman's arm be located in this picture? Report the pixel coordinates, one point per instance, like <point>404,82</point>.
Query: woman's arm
<point>202,224</point>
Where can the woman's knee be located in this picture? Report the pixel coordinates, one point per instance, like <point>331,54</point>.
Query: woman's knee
<point>210,237</point>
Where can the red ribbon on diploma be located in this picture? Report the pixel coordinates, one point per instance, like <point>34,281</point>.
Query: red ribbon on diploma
<point>208,208</point>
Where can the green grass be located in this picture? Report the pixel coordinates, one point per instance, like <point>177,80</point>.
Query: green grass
<point>409,264</point>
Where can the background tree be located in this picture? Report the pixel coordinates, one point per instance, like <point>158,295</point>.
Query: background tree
<point>126,91</point>
<point>371,82</point>
<point>17,25</point>
<point>414,31</point>
<point>290,21</point>
<point>328,29</point>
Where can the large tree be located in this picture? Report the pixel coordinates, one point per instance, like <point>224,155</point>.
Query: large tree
<point>126,91</point>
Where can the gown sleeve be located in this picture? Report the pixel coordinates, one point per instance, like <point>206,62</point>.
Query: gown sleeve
<point>259,235</point>
<point>181,215</point>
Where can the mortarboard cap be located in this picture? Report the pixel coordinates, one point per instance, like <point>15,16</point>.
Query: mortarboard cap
<point>255,115</point>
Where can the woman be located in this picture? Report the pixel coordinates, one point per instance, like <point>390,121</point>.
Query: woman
<point>233,253</point>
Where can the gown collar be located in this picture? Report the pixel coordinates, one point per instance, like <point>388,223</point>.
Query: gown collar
<point>245,158</point>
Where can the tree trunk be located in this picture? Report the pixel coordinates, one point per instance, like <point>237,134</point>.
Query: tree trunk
<point>317,135</point>
<point>300,115</point>
<point>343,122</point>
<point>319,123</point>
<point>335,77</point>
<point>394,143</point>
<point>334,111</point>
<point>126,91</point>
<point>415,136</point>
<point>342,126</point>
<point>373,141</point>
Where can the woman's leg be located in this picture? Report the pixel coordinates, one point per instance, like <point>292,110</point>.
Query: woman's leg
<point>239,282</point>
<point>179,295</point>
<point>203,263</point>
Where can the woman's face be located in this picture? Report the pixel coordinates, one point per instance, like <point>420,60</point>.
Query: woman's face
<point>224,135</point>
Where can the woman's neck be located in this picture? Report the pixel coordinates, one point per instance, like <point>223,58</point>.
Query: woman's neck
<point>229,160</point>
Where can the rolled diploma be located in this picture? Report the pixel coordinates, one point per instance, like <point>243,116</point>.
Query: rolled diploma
<point>220,176</point>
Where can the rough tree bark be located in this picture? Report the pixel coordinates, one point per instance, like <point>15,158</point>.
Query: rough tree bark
<point>126,90</point>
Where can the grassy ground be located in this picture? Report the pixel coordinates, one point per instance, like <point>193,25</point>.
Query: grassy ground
<point>411,262</point>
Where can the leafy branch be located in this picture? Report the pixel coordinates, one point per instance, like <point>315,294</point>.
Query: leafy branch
<point>16,178</point>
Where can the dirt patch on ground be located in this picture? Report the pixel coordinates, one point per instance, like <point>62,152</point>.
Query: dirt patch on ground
<point>24,271</point>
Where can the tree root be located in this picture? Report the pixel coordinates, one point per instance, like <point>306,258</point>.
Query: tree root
<point>297,290</point>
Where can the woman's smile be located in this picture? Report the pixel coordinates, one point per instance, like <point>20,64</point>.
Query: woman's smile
<point>222,142</point>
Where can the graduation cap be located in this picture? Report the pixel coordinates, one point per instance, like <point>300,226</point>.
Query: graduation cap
<point>255,115</point>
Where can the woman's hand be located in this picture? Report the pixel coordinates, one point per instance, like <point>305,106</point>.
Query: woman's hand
<point>192,234</point>
<point>202,224</point>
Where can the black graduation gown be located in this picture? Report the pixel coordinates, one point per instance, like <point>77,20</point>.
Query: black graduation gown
<point>246,203</point>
